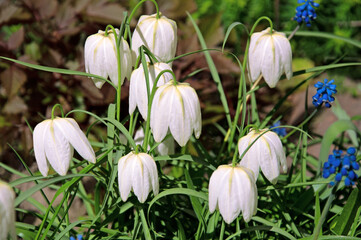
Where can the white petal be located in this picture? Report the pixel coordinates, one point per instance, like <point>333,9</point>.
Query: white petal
<point>140,181</point>
<point>57,149</point>
<point>39,146</point>
<point>166,147</point>
<point>284,47</point>
<point>151,168</point>
<point>124,176</point>
<point>217,182</point>
<point>255,55</point>
<point>7,211</point>
<point>180,122</point>
<point>192,107</point>
<point>71,131</point>
<point>160,112</point>
<point>250,159</point>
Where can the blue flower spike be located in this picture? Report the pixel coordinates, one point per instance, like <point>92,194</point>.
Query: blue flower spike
<point>324,93</point>
<point>280,131</point>
<point>343,166</point>
<point>306,12</point>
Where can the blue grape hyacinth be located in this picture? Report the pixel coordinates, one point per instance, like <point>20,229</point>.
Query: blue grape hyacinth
<point>306,12</point>
<point>280,131</point>
<point>324,93</point>
<point>343,166</point>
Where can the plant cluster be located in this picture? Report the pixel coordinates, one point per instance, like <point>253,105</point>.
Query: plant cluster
<point>154,178</point>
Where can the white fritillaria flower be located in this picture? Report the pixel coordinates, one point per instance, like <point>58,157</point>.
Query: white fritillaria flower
<point>270,54</point>
<point>54,141</point>
<point>7,212</point>
<point>266,153</point>
<point>176,106</point>
<point>232,190</point>
<point>138,95</point>
<point>100,54</point>
<point>158,35</point>
<point>137,172</point>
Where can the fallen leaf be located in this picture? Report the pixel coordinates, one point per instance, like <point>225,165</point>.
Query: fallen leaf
<point>12,79</point>
<point>15,105</point>
<point>16,39</point>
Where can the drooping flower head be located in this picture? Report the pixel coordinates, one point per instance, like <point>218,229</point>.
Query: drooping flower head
<point>343,165</point>
<point>158,35</point>
<point>324,93</point>
<point>270,54</point>
<point>306,12</point>
<point>54,141</point>
<point>265,153</point>
<point>176,107</point>
<point>138,96</point>
<point>7,212</point>
<point>100,54</point>
<point>137,172</point>
<point>232,190</point>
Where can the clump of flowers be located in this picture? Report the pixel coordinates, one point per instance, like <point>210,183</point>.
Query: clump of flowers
<point>306,12</point>
<point>280,131</point>
<point>342,166</point>
<point>324,93</point>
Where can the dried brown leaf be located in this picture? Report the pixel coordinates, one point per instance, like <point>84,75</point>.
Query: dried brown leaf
<point>16,39</point>
<point>15,105</point>
<point>104,12</point>
<point>12,79</point>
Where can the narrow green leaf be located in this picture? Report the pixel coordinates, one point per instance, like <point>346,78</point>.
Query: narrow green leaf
<point>342,224</point>
<point>214,72</point>
<point>57,70</point>
<point>327,35</point>
<point>24,195</point>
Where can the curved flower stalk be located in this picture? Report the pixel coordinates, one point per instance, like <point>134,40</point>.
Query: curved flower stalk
<point>266,153</point>
<point>176,107</point>
<point>138,95</point>
<point>100,54</point>
<point>137,172</point>
<point>164,148</point>
<point>54,141</point>
<point>158,35</point>
<point>7,212</point>
<point>232,190</point>
<point>270,54</point>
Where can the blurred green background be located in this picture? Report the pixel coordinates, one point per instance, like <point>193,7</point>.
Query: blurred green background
<point>53,32</point>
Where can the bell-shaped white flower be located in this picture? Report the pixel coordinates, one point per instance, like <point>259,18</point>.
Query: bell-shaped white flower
<point>270,54</point>
<point>176,107</point>
<point>54,141</point>
<point>138,96</point>
<point>266,153</point>
<point>137,172</point>
<point>232,190</point>
<point>158,35</point>
<point>7,212</point>
<point>100,54</point>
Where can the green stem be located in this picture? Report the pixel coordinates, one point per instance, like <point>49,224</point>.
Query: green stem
<point>53,111</point>
<point>134,11</point>
<point>325,210</point>
<point>234,159</point>
<point>145,225</point>
<point>303,123</point>
<point>221,235</point>
<point>150,102</point>
<point>260,19</point>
